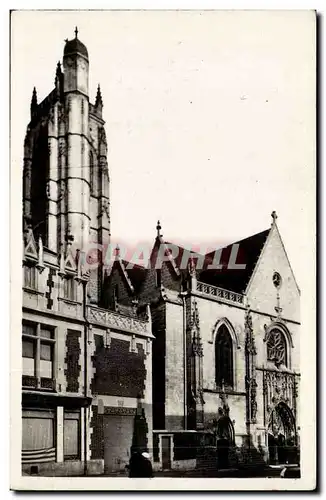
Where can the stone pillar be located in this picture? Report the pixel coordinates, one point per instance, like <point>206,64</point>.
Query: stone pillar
<point>103,197</point>
<point>85,420</point>
<point>77,183</point>
<point>196,366</point>
<point>27,182</point>
<point>62,173</point>
<point>37,358</point>
<point>60,358</point>
<point>85,173</point>
<point>60,433</point>
<point>148,395</point>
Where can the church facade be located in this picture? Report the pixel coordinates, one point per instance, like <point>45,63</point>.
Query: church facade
<point>230,337</point>
<point>195,358</point>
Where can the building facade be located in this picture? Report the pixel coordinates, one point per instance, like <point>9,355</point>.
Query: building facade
<point>195,358</point>
<point>86,370</point>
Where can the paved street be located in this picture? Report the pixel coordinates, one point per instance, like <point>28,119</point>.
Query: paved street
<point>240,473</point>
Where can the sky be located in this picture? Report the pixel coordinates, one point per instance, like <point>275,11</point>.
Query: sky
<point>210,117</point>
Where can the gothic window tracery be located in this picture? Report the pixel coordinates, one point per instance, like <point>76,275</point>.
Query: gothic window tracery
<point>223,358</point>
<point>276,347</point>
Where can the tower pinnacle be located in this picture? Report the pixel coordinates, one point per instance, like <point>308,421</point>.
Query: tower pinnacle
<point>58,75</point>
<point>76,32</point>
<point>34,96</point>
<point>58,70</point>
<point>98,100</point>
<point>34,103</point>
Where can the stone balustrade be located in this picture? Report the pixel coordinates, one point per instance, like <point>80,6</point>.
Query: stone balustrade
<point>113,320</point>
<point>220,293</point>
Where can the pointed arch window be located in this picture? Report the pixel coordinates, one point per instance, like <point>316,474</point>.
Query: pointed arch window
<point>276,347</point>
<point>39,185</point>
<point>223,358</point>
<point>92,173</point>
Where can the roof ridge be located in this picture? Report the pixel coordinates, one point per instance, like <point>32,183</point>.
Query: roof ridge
<point>138,266</point>
<point>240,241</point>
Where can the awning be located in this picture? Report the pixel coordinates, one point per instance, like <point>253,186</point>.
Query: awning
<point>37,399</point>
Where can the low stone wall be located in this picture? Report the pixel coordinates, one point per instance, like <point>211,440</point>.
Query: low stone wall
<point>184,464</point>
<point>68,468</point>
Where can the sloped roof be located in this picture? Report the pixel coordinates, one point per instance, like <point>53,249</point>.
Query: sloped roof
<point>249,250</point>
<point>183,255</point>
<point>248,254</point>
<point>75,46</point>
<point>136,274</point>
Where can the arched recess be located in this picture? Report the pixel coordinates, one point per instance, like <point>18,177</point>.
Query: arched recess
<point>224,358</point>
<point>278,326</point>
<point>225,429</point>
<point>232,332</point>
<point>282,435</point>
<point>221,324</point>
<point>224,441</point>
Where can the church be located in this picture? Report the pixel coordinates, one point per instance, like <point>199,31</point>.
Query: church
<point>193,358</point>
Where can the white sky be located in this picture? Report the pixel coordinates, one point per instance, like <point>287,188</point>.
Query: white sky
<point>210,117</point>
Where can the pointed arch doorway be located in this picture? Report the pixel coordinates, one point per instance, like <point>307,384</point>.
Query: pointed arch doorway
<point>282,438</point>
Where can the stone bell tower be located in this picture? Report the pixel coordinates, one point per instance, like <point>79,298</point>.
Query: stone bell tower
<point>75,87</point>
<point>66,198</point>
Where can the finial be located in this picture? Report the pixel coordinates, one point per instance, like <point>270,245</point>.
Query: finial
<point>98,100</point>
<point>76,32</point>
<point>148,313</point>
<point>27,224</point>
<point>274,216</point>
<point>57,77</point>
<point>79,263</point>
<point>62,262</point>
<point>40,264</point>
<point>158,229</point>
<point>69,239</point>
<point>28,231</point>
<point>34,96</point>
<point>117,251</point>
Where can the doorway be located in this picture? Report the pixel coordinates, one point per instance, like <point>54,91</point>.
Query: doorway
<point>272,449</point>
<point>118,431</point>
<point>282,436</point>
<point>166,452</point>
